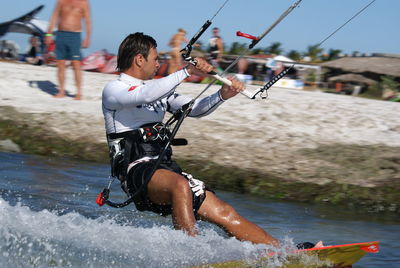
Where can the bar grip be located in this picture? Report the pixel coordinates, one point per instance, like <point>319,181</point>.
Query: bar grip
<point>248,94</point>
<point>213,73</point>
<point>220,78</point>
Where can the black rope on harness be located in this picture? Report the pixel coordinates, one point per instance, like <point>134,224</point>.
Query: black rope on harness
<point>102,199</point>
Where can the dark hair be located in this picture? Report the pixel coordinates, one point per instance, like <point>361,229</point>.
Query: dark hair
<point>133,44</point>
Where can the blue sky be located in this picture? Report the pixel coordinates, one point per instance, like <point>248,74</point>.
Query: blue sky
<point>375,30</point>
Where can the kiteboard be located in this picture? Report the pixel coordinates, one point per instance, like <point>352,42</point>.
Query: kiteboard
<point>338,256</point>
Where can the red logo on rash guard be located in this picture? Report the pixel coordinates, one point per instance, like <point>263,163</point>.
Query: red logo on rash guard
<point>132,88</point>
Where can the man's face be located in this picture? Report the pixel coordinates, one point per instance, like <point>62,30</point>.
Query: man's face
<point>215,32</point>
<point>151,65</point>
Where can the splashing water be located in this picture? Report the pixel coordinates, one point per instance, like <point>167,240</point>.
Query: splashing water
<point>45,238</point>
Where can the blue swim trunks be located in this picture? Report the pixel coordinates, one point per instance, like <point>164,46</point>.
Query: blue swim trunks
<point>68,45</point>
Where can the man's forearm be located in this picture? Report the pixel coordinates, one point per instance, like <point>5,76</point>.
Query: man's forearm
<point>52,23</point>
<point>88,32</point>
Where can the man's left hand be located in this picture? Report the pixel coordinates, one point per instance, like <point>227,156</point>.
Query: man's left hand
<point>202,67</point>
<point>228,92</point>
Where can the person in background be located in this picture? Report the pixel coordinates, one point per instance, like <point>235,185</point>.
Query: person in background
<point>33,56</point>
<point>176,41</point>
<point>216,48</point>
<point>68,16</point>
<point>242,65</point>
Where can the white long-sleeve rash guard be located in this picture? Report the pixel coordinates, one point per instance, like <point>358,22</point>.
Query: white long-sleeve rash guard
<point>129,103</point>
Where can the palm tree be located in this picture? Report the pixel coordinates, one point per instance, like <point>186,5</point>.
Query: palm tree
<point>257,51</point>
<point>275,48</point>
<point>333,54</point>
<point>237,48</point>
<point>294,55</point>
<point>314,52</point>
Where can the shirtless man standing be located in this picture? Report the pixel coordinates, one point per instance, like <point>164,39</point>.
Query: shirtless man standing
<point>175,43</point>
<point>68,16</point>
<point>216,48</point>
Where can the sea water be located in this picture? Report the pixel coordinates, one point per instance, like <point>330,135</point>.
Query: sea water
<point>49,218</point>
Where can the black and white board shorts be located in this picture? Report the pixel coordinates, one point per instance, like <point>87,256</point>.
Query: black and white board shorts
<point>138,178</point>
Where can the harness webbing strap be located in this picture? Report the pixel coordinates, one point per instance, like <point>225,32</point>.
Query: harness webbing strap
<point>125,134</point>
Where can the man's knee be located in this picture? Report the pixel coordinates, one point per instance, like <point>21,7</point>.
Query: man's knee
<point>220,213</point>
<point>61,64</point>
<point>76,65</point>
<point>181,187</point>
<point>226,211</point>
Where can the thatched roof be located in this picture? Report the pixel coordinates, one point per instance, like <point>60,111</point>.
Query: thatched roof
<point>356,78</point>
<point>379,65</point>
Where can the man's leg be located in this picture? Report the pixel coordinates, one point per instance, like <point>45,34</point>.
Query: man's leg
<point>76,64</point>
<point>167,187</point>
<point>61,78</point>
<point>217,211</point>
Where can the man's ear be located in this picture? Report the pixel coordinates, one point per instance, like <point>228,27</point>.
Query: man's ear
<point>138,60</point>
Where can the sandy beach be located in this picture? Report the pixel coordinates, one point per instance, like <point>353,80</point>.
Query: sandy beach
<point>294,135</point>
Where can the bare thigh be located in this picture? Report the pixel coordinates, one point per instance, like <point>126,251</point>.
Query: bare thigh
<point>169,188</point>
<point>162,185</point>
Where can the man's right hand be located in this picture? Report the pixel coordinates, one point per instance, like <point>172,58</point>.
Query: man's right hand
<point>202,67</point>
<point>85,43</point>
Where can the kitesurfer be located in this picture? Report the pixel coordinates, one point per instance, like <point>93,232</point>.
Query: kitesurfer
<point>134,106</point>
